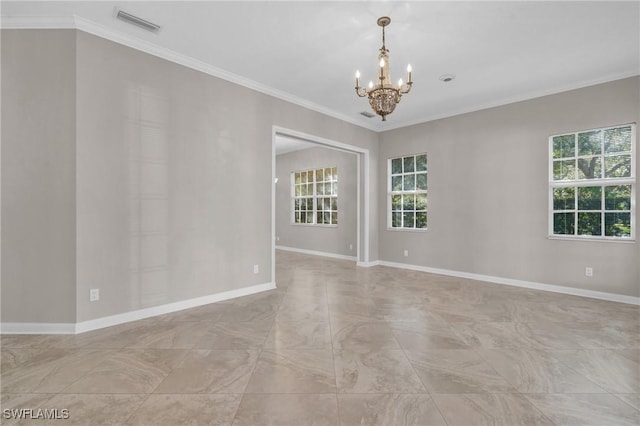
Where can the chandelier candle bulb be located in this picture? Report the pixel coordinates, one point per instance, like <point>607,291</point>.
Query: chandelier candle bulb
<point>357,78</point>
<point>409,73</point>
<point>371,85</point>
<point>400,84</point>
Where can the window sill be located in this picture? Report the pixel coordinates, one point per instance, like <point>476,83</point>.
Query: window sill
<point>420,230</point>
<point>314,225</point>
<point>593,240</point>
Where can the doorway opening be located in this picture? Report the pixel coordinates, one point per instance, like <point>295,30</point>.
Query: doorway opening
<point>292,137</point>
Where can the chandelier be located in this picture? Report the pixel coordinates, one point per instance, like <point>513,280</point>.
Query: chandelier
<point>384,96</point>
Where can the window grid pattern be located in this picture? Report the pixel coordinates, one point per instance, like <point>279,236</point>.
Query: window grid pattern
<point>407,186</point>
<point>592,183</point>
<point>315,196</point>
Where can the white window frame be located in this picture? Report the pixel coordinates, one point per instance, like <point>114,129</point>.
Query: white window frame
<point>602,182</point>
<point>315,196</point>
<point>391,193</point>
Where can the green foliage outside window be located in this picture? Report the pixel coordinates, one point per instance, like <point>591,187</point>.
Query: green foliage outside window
<point>592,183</point>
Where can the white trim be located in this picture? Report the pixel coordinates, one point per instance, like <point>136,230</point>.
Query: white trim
<point>363,155</point>
<point>37,328</point>
<point>601,182</point>
<point>79,23</point>
<point>91,27</point>
<point>523,97</point>
<point>612,297</point>
<point>368,264</point>
<point>317,253</point>
<point>95,324</point>
<point>139,314</point>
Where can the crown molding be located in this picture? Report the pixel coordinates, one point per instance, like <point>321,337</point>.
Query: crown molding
<point>79,23</point>
<point>514,99</point>
<point>91,27</point>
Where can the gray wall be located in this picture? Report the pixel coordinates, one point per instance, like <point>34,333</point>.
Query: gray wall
<point>148,180</point>
<point>334,240</point>
<point>488,192</point>
<point>38,177</point>
<point>167,189</point>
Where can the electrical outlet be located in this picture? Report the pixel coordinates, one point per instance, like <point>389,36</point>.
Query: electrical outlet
<point>277,238</point>
<point>406,253</point>
<point>588,271</point>
<point>350,246</point>
<point>256,269</point>
<point>94,295</point>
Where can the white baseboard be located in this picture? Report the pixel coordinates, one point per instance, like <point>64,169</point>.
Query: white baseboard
<point>317,253</point>
<point>81,327</point>
<point>612,297</point>
<point>368,264</point>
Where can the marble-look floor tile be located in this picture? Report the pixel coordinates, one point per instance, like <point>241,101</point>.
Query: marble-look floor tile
<point>303,311</point>
<point>14,357</point>
<point>304,294</point>
<point>405,312</point>
<point>166,335</point>
<point>515,335</point>
<point>299,335</point>
<point>466,312</point>
<point>186,409</point>
<point>585,409</point>
<point>378,339</point>
<point>355,312</point>
<point>115,337</point>
<point>633,399</point>
<point>457,371</point>
<point>362,336</point>
<point>293,371</point>
<point>389,409</point>
<point>233,335</point>
<point>287,410</point>
<point>534,371</point>
<point>129,371</point>
<point>97,409</point>
<point>475,409</point>
<point>210,312</point>
<point>211,371</point>
<point>417,336</point>
<point>379,371</point>
<point>33,340</point>
<point>52,374</point>
<point>340,299</point>
<point>256,307</point>
<point>259,311</point>
<point>616,371</point>
<point>14,402</point>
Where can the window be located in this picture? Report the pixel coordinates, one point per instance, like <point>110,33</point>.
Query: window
<point>592,183</point>
<point>314,195</point>
<point>407,186</point>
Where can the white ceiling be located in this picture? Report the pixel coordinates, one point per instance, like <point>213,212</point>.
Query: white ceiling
<point>286,144</point>
<point>307,51</point>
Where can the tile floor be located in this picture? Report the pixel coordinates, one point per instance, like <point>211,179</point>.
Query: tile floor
<point>341,345</point>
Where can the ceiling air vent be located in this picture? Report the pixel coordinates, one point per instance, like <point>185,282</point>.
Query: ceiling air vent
<point>367,114</point>
<point>127,17</point>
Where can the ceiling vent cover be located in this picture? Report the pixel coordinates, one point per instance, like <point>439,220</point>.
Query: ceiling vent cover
<point>367,114</point>
<point>142,23</point>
